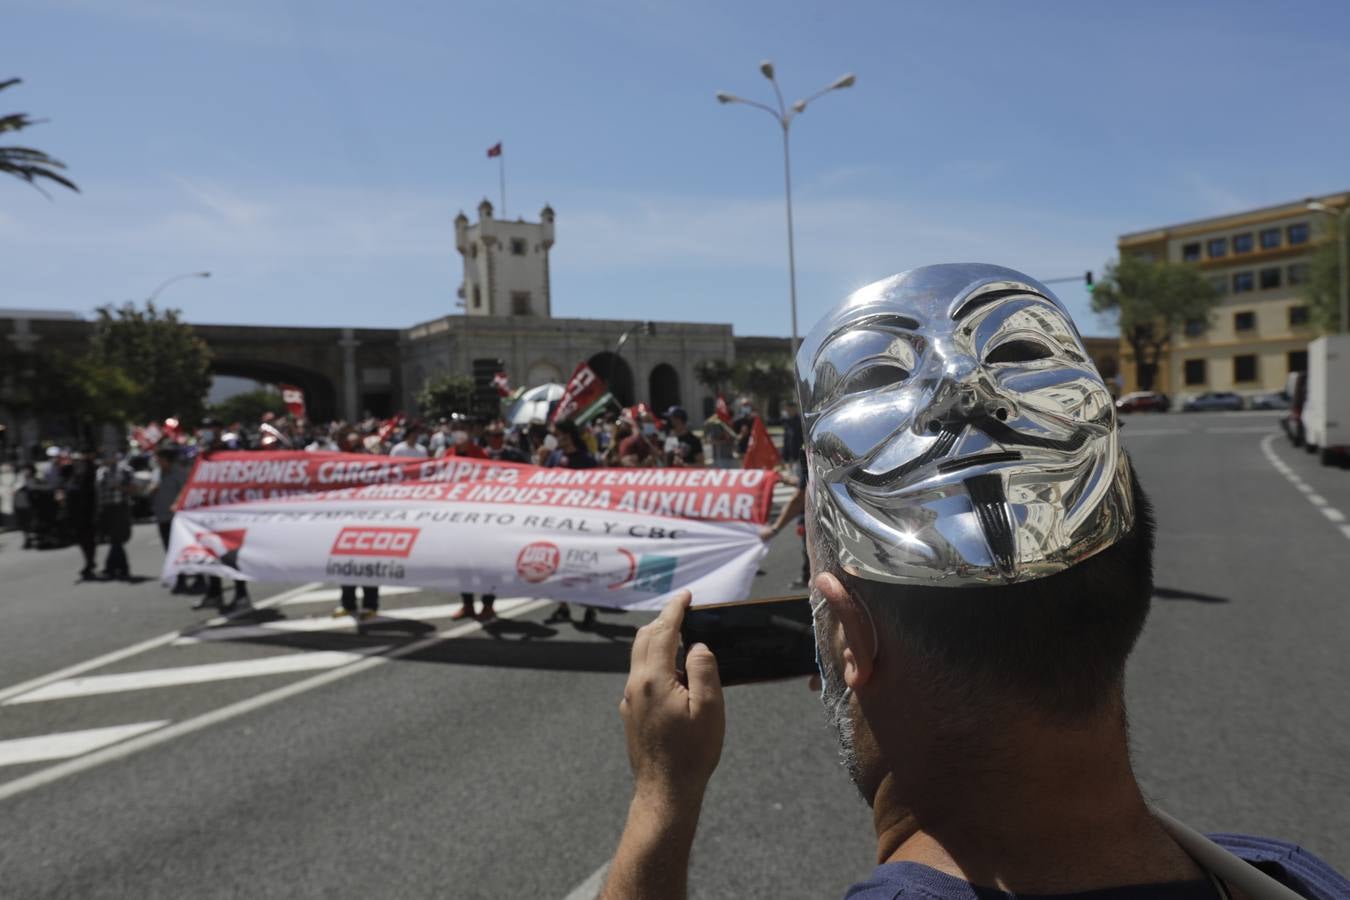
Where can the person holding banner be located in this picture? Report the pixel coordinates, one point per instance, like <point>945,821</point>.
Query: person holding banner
<point>370,594</point>
<point>571,453</point>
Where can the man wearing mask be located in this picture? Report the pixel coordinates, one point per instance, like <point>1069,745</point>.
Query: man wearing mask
<point>982,561</point>
<point>115,480</point>
<point>351,442</point>
<point>686,448</point>
<point>410,445</point>
<point>570,453</point>
<point>463,444</point>
<point>743,424</point>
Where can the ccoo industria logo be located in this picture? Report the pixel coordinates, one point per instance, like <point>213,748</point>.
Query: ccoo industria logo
<point>368,540</point>
<point>392,544</point>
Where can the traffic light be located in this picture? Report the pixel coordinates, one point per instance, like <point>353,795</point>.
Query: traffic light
<point>486,398</point>
<point>1087,280</point>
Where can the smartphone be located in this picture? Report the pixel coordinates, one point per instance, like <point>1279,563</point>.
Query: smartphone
<point>755,640</point>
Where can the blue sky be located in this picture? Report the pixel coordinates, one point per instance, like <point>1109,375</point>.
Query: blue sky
<point>313,155</point>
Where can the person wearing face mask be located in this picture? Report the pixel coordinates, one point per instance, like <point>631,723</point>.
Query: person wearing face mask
<point>211,439</point>
<point>463,444</point>
<point>640,449</point>
<point>971,639</point>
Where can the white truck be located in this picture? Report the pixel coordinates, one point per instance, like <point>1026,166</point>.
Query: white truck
<point>1326,411</point>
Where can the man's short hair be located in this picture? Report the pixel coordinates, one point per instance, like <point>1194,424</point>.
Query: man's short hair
<point>1055,646</point>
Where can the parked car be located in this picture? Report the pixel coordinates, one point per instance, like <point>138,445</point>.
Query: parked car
<point>1212,400</point>
<point>1273,400</point>
<point>1143,401</point>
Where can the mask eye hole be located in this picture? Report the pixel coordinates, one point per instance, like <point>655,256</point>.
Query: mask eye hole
<point>875,378</point>
<point>1018,351</point>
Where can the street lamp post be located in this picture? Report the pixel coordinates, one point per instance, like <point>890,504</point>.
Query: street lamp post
<point>1342,217</point>
<point>784,116</point>
<point>155,294</point>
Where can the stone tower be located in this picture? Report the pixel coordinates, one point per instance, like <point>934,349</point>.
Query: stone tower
<point>505,264</point>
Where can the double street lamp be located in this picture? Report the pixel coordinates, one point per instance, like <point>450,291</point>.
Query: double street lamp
<point>784,116</point>
<point>1342,220</point>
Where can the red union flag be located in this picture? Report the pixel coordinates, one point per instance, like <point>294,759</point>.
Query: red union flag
<point>502,383</point>
<point>294,398</point>
<point>722,410</point>
<point>495,150</point>
<point>584,396</point>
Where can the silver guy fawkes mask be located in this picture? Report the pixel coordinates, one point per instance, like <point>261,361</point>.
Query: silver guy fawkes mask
<point>958,433</point>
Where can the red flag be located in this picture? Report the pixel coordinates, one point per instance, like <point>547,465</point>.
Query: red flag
<point>502,384</point>
<point>723,411</point>
<point>585,391</point>
<point>390,425</point>
<point>294,398</point>
<point>495,150</point>
<point>761,453</point>
<point>637,412</point>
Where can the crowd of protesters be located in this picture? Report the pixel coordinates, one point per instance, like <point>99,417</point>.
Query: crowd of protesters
<point>86,497</point>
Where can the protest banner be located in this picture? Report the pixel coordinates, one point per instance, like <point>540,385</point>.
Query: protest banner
<point>626,538</point>
<point>294,398</point>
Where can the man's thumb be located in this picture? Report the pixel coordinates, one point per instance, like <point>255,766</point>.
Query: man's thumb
<point>705,685</point>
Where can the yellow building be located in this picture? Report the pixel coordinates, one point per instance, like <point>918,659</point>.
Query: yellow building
<point>1259,333</point>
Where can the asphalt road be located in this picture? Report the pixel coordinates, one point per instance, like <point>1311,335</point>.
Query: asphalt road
<point>491,763</point>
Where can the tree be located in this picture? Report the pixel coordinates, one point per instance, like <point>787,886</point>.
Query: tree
<point>80,392</point>
<point>248,406</point>
<point>767,378</point>
<point>168,362</point>
<point>25,162</point>
<point>442,395</point>
<point>1323,288</point>
<point>1152,301</point>
<point>714,374</point>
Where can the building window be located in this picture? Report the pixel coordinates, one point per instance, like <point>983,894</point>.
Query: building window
<point>1270,278</point>
<point>1298,234</point>
<point>1190,252</point>
<point>1298,315</point>
<point>1298,273</point>
<point>1244,321</point>
<point>520,303</point>
<point>1243,243</point>
<point>1195,372</point>
<point>518,246</point>
<point>1218,247</point>
<point>477,298</point>
<point>1270,239</point>
<point>1298,361</point>
<point>1220,285</point>
<point>1243,282</point>
<point>1196,327</point>
<point>1244,368</point>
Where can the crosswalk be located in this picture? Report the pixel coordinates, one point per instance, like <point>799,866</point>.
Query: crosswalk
<point>179,669</point>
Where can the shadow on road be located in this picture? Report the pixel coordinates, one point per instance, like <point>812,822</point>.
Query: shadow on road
<point>508,643</point>
<point>1164,593</point>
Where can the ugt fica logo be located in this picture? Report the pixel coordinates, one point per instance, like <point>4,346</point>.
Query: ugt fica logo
<point>538,561</point>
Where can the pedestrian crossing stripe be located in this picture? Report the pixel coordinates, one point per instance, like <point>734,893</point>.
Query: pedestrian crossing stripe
<point>46,747</point>
<point>152,678</point>
<point>333,595</point>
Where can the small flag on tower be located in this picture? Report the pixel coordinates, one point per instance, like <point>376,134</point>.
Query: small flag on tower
<point>495,150</point>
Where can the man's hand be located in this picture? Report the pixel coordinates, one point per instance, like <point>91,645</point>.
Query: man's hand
<point>674,729</point>
<point>674,732</point>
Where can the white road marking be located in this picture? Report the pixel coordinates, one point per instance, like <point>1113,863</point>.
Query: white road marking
<point>152,643</point>
<point>333,595</point>
<point>225,713</point>
<point>1332,514</point>
<point>66,744</point>
<point>590,888</point>
<point>328,623</point>
<point>1248,430</point>
<point>154,678</point>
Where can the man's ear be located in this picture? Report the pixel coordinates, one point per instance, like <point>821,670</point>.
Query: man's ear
<point>860,638</point>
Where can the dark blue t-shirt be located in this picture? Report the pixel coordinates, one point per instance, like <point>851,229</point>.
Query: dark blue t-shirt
<point>1289,864</point>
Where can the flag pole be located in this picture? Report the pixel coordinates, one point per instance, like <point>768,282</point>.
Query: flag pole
<point>501,170</point>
